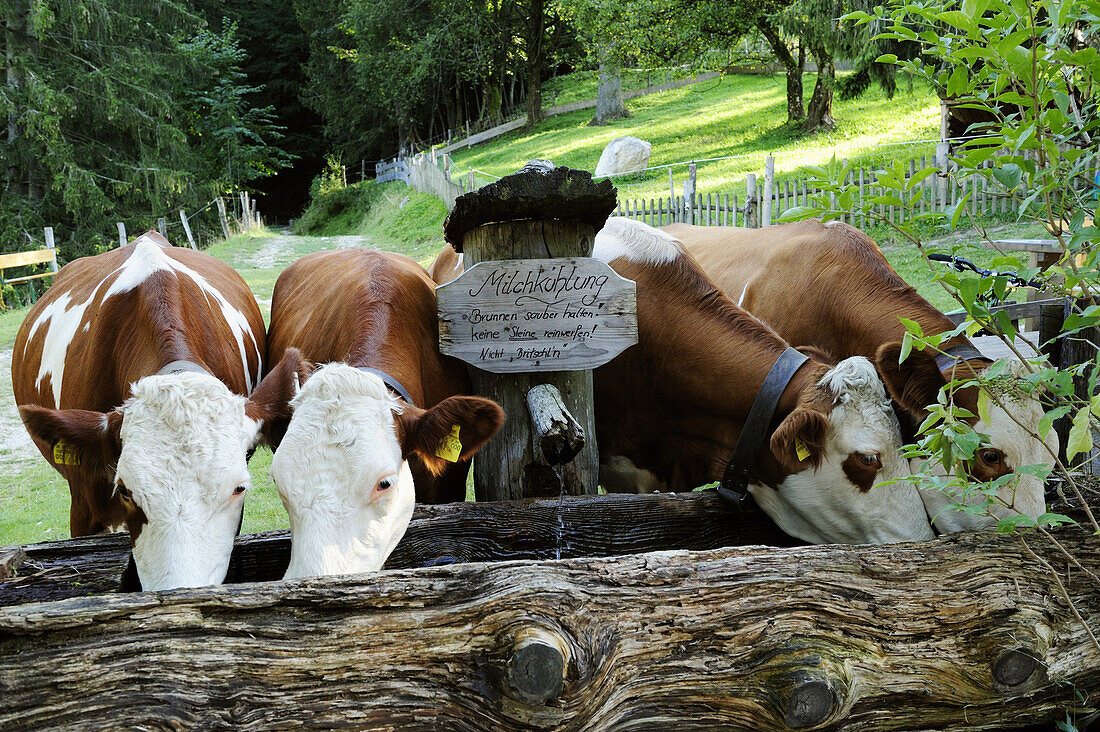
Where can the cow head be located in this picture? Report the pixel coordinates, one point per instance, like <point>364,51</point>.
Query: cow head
<point>176,455</point>
<point>915,384</point>
<point>342,470</point>
<point>839,444</point>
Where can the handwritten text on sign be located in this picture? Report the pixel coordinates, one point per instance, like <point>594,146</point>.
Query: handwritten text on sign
<point>537,315</point>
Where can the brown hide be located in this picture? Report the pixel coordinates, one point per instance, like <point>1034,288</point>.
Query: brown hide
<point>374,309</point>
<point>675,403</point>
<point>823,285</point>
<point>446,266</point>
<point>130,335</point>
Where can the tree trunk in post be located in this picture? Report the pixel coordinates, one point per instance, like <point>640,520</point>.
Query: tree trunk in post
<point>536,36</point>
<point>540,212</point>
<point>511,465</point>
<point>793,67</point>
<point>609,93</point>
<point>969,632</point>
<point>819,114</point>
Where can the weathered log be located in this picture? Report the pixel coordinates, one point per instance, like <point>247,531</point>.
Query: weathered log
<point>592,526</point>
<point>901,637</point>
<point>11,558</point>
<point>559,434</point>
<point>556,193</point>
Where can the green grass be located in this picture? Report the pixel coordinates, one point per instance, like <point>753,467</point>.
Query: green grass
<point>392,215</point>
<point>734,115</point>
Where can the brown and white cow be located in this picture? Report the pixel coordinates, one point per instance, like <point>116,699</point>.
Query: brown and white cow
<point>828,285</point>
<point>669,410</point>
<point>346,467</point>
<point>130,372</point>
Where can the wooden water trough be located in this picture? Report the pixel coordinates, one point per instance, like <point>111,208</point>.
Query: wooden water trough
<point>651,617</point>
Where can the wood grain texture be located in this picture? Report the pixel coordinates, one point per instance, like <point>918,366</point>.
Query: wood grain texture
<point>593,526</point>
<point>526,315</point>
<point>560,436</point>
<point>510,466</point>
<point>901,637</point>
<point>533,193</point>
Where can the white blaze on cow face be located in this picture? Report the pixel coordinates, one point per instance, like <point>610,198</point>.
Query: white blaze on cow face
<point>185,437</point>
<point>341,474</point>
<point>823,505</point>
<point>1011,444</point>
<point>63,316</point>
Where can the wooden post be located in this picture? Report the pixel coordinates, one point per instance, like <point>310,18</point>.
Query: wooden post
<point>769,183</point>
<point>223,217</point>
<point>121,234</point>
<point>538,212</point>
<point>245,218</point>
<point>689,194</point>
<point>50,245</point>
<point>162,227</point>
<point>751,219</point>
<point>942,162</point>
<point>187,229</point>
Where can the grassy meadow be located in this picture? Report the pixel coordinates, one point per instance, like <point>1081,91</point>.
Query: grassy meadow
<point>729,116</point>
<point>729,125</point>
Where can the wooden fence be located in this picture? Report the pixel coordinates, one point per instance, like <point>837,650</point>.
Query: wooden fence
<point>765,199</point>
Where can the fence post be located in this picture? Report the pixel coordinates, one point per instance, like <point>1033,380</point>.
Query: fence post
<point>121,234</point>
<point>689,194</point>
<point>671,185</point>
<point>187,229</point>
<point>246,223</point>
<point>942,162</point>
<point>509,466</point>
<point>223,216</point>
<point>769,188</point>
<point>48,231</point>
<point>162,227</point>
<point>751,220</point>
<point>467,134</point>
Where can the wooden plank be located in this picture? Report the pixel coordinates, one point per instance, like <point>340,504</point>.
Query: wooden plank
<point>1015,310</point>
<point>558,528</point>
<point>966,632</point>
<point>11,559</point>
<point>22,259</point>
<point>526,315</point>
<point>27,278</point>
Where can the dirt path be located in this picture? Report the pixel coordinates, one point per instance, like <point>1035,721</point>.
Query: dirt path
<point>16,447</point>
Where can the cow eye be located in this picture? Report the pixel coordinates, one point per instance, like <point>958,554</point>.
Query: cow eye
<point>869,458</point>
<point>239,490</point>
<point>124,491</point>
<point>990,456</point>
<point>385,484</point>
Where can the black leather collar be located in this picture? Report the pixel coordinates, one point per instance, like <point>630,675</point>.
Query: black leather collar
<point>393,384</point>
<point>965,352</point>
<point>734,485</point>
<point>177,367</point>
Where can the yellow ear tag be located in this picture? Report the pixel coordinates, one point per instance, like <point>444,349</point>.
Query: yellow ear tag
<point>801,450</point>
<point>449,447</point>
<point>62,455</point>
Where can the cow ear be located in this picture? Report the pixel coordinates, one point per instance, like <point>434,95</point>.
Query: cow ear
<point>450,431</point>
<point>76,436</point>
<point>270,402</point>
<point>799,441</point>
<point>914,384</point>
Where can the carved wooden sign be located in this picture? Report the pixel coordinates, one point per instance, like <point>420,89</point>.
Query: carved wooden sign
<point>522,315</point>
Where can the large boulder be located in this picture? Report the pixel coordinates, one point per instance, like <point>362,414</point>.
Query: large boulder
<point>623,155</point>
